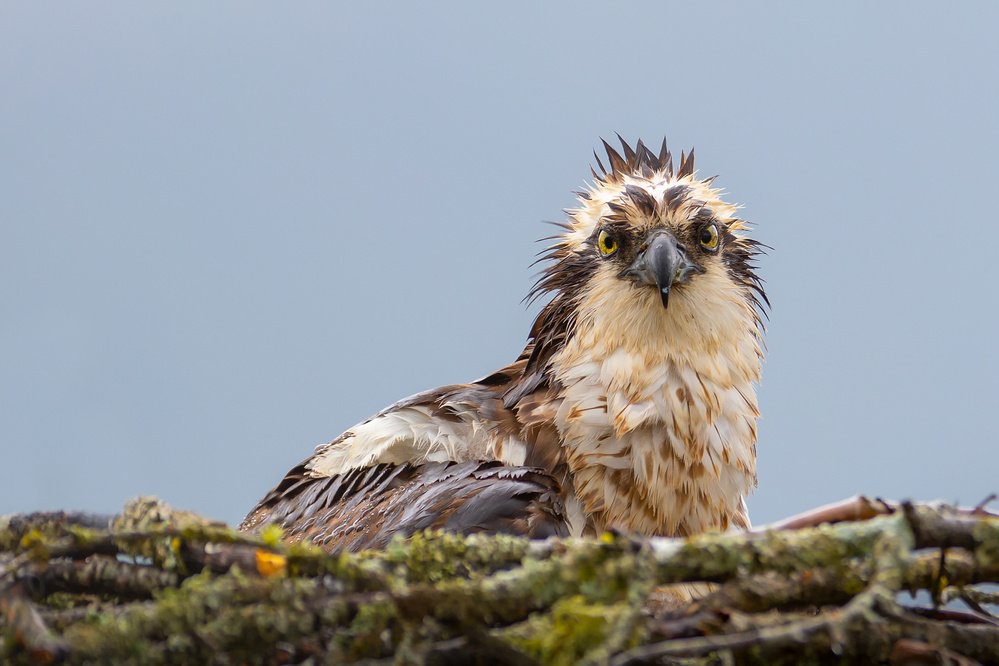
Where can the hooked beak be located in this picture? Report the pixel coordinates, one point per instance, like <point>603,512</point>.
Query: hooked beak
<point>662,263</point>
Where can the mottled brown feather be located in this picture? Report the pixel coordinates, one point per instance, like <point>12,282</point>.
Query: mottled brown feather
<point>366,507</point>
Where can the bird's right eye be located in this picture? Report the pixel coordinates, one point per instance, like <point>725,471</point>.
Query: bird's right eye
<point>606,243</point>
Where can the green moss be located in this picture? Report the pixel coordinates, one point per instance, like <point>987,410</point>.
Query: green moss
<point>563,636</point>
<point>272,534</point>
<point>986,535</point>
<point>372,633</point>
<point>243,616</point>
<point>432,556</point>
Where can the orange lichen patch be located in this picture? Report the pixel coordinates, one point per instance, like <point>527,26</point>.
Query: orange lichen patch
<point>270,564</point>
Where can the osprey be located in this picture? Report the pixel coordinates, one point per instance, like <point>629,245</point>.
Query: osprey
<point>632,407</point>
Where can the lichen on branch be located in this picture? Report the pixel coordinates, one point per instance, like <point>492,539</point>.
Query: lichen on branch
<point>157,586</point>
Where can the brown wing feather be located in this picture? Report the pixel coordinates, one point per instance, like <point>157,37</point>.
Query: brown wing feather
<point>365,508</point>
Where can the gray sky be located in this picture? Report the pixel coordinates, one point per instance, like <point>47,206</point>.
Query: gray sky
<point>230,231</point>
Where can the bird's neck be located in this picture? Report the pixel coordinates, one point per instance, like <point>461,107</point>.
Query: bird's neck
<point>658,415</point>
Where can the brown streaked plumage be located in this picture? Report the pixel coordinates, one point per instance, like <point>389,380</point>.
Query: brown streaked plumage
<point>632,407</point>
<point>364,508</point>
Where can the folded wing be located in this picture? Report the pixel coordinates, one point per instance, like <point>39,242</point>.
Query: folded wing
<point>364,508</point>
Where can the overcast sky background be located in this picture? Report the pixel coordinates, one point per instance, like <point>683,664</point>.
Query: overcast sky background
<point>230,231</point>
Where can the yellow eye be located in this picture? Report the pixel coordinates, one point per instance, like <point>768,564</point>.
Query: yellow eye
<point>606,243</point>
<point>709,237</point>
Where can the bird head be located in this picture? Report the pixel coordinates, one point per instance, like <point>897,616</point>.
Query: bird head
<point>651,251</point>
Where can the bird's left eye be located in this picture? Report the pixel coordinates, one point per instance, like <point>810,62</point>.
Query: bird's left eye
<point>709,237</point>
<point>606,243</point>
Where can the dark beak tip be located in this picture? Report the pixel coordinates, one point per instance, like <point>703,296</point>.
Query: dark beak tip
<point>664,294</point>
